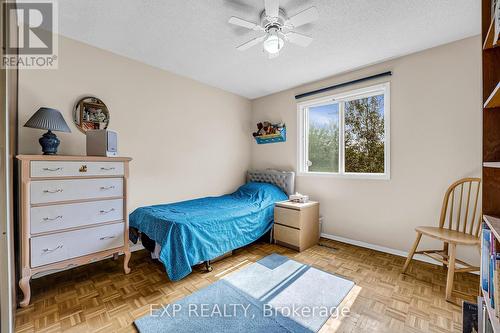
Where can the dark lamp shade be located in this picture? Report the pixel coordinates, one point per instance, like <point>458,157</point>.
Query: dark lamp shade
<point>48,119</point>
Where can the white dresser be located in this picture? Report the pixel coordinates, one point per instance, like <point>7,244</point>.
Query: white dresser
<point>73,212</point>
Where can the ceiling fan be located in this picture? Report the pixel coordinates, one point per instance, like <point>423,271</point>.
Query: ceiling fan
<point>277,27</point>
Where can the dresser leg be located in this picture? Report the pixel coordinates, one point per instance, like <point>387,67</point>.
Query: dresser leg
<point>24,284</point>
<point>125,262</point>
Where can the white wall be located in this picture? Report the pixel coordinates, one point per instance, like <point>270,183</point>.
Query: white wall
<point>435,139</point>
<point>187,139</point>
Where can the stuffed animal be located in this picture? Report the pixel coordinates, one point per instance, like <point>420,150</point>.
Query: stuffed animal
<point>266,128</point>
<point>260,130</point>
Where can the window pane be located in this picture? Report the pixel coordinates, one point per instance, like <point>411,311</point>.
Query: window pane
<point>324,138</point>
<point>364,135</point>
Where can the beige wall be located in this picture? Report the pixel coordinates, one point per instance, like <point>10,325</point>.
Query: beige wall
<point>435,139</point>
<point>190,140</point>
<point>187,139</point>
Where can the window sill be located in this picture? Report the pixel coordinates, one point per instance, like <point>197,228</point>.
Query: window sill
<point>363,176</point>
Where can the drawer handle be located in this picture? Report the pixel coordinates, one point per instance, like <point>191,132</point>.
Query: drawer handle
<point>107,237</point>
<point>53,191</point>
<point>44,251</point>
<point>106,211</point>
<point>52,218</point>
<point>107,169</point>
<point>105,188</point>
<point>52,169</point>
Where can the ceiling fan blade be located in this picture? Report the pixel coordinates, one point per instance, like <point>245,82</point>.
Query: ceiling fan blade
<point>299,39</point>
<point>250,43</point>
<point>244,23</point>
<point>272,7</point>
<point>304,17</point>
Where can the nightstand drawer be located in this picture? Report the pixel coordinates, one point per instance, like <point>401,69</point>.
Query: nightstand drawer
<point>289,217</point>
<point>287,235</point>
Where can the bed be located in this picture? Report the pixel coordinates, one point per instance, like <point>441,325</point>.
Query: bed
<point>195,231</point>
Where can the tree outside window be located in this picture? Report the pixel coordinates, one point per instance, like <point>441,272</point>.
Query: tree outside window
<point>346,135</point>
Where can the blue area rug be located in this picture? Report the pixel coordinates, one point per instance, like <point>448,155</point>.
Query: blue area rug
<point>275,294</point>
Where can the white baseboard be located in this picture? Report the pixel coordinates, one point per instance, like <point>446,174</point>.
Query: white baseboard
<point>384,249</point>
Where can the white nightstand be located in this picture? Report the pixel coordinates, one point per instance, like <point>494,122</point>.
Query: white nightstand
<point>296,225</point>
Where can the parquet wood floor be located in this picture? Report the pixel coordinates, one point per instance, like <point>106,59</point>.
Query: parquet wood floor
<point>100,298</point>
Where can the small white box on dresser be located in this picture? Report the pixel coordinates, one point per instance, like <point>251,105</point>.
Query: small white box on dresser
<point>73,212</point>
<point>102,143</point>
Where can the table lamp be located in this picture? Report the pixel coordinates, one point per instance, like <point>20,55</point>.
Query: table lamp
<point>51,120</point>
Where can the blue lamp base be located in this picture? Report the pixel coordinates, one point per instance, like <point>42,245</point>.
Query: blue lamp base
<point>49,143</point>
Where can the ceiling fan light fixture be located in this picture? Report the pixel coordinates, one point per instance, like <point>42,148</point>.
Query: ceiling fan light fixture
<point>274,43</point>
<point>277,28</point>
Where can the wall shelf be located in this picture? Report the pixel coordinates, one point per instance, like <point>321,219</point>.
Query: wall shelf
<point>489,41</point>
<point>272,138</point>
<point>493,100</point>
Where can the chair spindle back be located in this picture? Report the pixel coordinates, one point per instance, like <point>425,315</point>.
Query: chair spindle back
<point>460,211</point>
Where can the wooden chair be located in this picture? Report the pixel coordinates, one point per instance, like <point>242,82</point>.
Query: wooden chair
<point>458,225</point>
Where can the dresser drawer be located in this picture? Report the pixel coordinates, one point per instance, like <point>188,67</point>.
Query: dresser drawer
<point>75,169</point>
<point>46,191</point>
<point>286,216</point>
<point>287,235</point>
<point>57,217</point>
<point>72,244</point>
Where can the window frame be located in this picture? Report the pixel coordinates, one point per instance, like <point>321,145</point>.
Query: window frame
<point>340,98</point>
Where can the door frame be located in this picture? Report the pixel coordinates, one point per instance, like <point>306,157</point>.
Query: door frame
<point>8,150</point>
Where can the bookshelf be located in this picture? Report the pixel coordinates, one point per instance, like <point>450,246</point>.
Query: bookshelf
<point>491,110</point>
<point>490,274</point>
<point>490,240</point>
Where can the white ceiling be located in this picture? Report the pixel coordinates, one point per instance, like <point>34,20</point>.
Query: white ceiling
<point>192,37</point>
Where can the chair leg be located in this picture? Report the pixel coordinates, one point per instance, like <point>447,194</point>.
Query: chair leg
<point>451,271</point>
<point>412,252</point>
<point>446,251</point>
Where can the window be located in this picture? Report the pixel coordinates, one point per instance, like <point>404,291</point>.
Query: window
<point>346,134</point>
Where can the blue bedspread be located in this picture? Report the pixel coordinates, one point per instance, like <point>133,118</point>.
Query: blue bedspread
<point>197,230</point>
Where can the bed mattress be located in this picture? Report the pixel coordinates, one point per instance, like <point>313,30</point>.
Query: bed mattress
<point>198,230</point>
